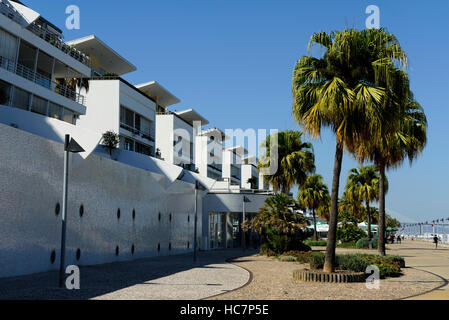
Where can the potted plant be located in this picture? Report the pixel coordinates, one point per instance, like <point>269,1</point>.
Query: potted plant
<point>110,141</point>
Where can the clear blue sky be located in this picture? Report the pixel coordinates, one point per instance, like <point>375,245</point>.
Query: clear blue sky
<point>233,60</point>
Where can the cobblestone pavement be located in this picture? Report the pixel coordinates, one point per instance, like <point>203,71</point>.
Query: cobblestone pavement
<point>162,278</point>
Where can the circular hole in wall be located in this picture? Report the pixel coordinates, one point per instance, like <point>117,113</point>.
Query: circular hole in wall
<point>170,217</point>
<point>118,214</point>
<point>53,257</point>
<point>133,249</point>
<point>188,219</point>
<point>78,255</point>
<point>159,217</point>
<point>134,214</point>
<point>81,210</point>
<point>169,246</point>
<point>188,244</point>
<point>57,209</point>
<point>158,247</point>
<point>117,251</point>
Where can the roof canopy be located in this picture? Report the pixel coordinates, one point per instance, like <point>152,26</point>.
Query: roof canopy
<point>212,132</point>
<point>239,150</point>
<point>190,116</point>
<point>163,97</point>
<point>106,56</point>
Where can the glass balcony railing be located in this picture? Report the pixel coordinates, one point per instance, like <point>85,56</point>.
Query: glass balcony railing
<point>144,134</point>
<point>41,80</point>
<point>44,33</point>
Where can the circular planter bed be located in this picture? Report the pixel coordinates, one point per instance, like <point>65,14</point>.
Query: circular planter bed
<point>336,277</point>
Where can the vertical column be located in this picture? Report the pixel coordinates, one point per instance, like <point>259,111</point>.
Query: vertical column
<point>229,232</point>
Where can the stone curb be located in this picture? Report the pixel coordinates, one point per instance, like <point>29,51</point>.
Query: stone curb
<point>316,276</point>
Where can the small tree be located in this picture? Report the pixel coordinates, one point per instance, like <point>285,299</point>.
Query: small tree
<point>110,140</point>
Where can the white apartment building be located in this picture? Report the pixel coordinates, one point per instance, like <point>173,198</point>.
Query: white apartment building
<point>137,204</point>
<point>36,67</point>
<point>176,134</point>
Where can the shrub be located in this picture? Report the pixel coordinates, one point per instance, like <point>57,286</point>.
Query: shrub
<point>349,233</point>
<point>396,259</point>
<point>301,256</point>
<point>266,250</point>
<point>347,245</point>
<point>352,262</point>
<point>284,258</point>
<point>364,243</point>
<point>317,260</point>
<point>321,243</point>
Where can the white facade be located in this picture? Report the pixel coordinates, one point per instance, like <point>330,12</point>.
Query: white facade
<point>113,105</point>
<point>122,207</point>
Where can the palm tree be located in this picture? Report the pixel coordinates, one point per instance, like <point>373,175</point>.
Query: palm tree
<point>324,210</point>
<point>312,195</point>
<point>392,147</point>
<point>363,185</point>
<point>295,160</point>
<point>339,91</point>
<point>352,206</point>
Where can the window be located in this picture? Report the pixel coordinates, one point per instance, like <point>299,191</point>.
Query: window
<point>128,144</point>
<point>27,55</point>
<point>8,45</point>
<point>127,117</point>
<point>68,116</point>
<point>39,106</point>
<point>5,93</point>
<point>143,149</point>
<point>21,99</point>
<point>55,111</point>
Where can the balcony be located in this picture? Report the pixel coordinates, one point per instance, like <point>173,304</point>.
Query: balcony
<point>44,33</point>
<point>143,134</point>
<point>41,80</point>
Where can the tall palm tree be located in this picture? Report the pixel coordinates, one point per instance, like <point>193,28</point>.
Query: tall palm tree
<point>363,185</point>
<point>339,91</point>
<point>295,160</point>
<point>351,205</point>
<point>391,149</point>
<point>313,194</point>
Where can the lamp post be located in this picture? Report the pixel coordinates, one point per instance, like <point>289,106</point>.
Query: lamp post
<point>198,186</point>
<point>70,146</point>
<point>245,200</point>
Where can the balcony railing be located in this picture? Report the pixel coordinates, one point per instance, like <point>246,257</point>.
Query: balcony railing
<point>56,41</point>
<point>144,134</point>
<point>41,80</point>
<point>52,38</point>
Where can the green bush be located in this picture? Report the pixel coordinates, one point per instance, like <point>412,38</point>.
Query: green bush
<point>266,250</point>
<point>312,243</point>
<point>352,262</point>
<point>364,243</point>
<point>317,260</point>
<point>301,256</point>
<point>347,245</point>
<point>285,258</point>
<point>350,233</point>
<point>280,243</point>
<point>389,266</point>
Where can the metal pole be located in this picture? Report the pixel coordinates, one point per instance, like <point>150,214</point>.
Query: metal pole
<point>196,220</point>
<point>243,231</point>
<point>64,210</point>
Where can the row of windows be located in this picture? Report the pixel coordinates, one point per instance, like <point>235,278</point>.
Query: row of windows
<point>132,145</point>
<point>21,99</point>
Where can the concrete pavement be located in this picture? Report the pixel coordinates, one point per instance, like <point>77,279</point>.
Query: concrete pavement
<point>423,256</point>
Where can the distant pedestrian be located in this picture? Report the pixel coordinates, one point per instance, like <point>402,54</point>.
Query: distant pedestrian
<point>435,240</point>
<point>399,240</point>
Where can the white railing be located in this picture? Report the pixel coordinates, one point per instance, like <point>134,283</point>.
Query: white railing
<point>144,134</point>
<point>41,80</point>
<point>9,11</point>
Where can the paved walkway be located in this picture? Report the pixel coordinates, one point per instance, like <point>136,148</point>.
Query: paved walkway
<point>423,256</point>
<point>162,278</point>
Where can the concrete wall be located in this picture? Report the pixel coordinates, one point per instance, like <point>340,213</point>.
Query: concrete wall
<point>31,171</point>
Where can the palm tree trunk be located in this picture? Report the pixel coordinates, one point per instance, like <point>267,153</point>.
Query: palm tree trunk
<point>381,245</point>
<point>370,236</point>
<point>329,263</point>
<point>315,235</point>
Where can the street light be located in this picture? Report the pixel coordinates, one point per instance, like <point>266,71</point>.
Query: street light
<point>198,186</point>
<point>245,200</point>
<point>70,146</point>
